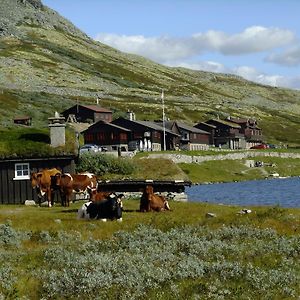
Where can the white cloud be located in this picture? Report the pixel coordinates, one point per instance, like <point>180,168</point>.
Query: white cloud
<point>257,39</point>
<point>181,51</point>
<point>246,72</point>
<point>209,66</point>
<point>252,74</point>
<point>290,57</point>
<point>159,49</point>
<point>251,40</point>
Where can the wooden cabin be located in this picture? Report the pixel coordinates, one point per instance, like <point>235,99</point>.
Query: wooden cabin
<point>87,114</point>
<point>227,134</point>
<point>15,184</point>
<point>251,131</point>
<point>148,134</point>
<point>107,134</point>
<point>23,120</point>
<point>193,138</point>
<point>208,128</point>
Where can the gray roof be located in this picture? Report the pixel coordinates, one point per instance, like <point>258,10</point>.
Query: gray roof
<point>97,124</point>
<point>191,128</point>
<point>207,124</point>
<point>155,126</point>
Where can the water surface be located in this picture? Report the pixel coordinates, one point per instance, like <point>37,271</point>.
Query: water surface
<point>283,192</point>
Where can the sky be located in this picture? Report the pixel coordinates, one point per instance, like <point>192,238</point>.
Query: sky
<point>258,39</point>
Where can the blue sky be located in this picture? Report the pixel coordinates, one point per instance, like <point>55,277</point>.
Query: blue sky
<point>258,39</point>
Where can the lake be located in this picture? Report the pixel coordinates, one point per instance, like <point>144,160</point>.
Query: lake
<point>284,192</point>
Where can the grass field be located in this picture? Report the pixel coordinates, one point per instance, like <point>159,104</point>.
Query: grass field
<point>181,254</point>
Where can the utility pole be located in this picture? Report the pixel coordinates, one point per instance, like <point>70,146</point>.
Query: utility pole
<point>163,116</point>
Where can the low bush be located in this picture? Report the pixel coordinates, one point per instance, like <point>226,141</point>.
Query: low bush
<point>185,262</point>
<point>102,164</point>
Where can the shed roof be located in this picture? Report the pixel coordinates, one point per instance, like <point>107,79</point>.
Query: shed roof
<point>191,128</point>
<point>155,126</point>
<point>224,122</point>
<point>21,118</point>
<point>207,124</point>
<point>97,108</point>
<point>101,122</point>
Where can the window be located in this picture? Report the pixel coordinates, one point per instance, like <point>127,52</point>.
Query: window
<point>22,171</point>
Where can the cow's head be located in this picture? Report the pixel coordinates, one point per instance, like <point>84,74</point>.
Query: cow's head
<point>149,189</point>
<point>56,180</point>
<point>35,179</point>
<point>84,211</point>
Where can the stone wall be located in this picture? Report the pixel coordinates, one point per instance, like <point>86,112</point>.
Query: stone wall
<point>180,158</point>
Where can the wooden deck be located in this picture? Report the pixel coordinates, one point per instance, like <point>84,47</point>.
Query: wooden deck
<point>177,186</point>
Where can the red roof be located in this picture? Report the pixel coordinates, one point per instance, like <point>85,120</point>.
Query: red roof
<point>97,108</point>
<point>21,118</point>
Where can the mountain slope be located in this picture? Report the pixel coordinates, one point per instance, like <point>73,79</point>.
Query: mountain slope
<point>47,64</point>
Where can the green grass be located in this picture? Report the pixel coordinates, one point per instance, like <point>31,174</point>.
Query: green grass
<point>159,169</point>
<point>28,142</point>
<point>236,170</point>
<point>192,213</point>
<point>42,249</point>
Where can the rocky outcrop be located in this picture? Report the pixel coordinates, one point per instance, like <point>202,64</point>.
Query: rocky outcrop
<point>17,13</point>
<point>34,3</point>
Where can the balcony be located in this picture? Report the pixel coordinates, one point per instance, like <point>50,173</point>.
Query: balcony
<point>254,137</point>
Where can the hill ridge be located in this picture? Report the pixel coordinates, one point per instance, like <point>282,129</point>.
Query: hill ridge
<point>47,65</point>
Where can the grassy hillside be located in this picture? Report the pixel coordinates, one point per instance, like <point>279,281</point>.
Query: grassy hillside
<point>46,65</point>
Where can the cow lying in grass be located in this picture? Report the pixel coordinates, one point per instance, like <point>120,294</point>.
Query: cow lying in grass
<point>109,208</point>
<point>152,202</point>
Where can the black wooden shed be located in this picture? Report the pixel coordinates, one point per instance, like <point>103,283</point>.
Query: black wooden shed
<point>15,185</point>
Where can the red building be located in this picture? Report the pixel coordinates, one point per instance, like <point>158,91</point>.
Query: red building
<point>87,113</point>
<point>227,134</point>
<point>191,138</point>
<point>24,120</point>
<point>148,134</point>
<point>107,134</point>
<point>251,131</point>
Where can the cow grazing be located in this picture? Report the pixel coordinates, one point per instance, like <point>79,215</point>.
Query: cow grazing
<point>110,208</point>
<point>152,202</point>
<point>43,184</point>
<point>68,183</point>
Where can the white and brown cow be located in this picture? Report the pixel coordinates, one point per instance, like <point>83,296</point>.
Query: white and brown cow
<point>109,208</point>
<point>43,184</point>
<point>152,202</point>
<point>70,183</point>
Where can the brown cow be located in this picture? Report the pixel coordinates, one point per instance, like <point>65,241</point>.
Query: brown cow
<point>68,183</point>
<point>150,201</point>
<point>99,196</point>
<point>42,182</point>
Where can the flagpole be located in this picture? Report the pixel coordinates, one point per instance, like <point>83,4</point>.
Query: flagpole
<point>163,116</point>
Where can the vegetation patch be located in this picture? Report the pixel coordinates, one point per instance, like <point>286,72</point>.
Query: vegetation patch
<point>175,255</point>
<point>28,142</point>
<point>105,164</point>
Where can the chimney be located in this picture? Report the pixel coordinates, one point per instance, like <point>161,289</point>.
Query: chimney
<point>57,130</point>
<point>130,115</point>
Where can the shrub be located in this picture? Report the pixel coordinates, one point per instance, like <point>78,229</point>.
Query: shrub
<point>102,164</point>
<point>134,265</point>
